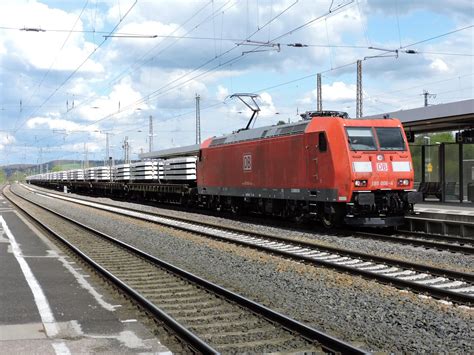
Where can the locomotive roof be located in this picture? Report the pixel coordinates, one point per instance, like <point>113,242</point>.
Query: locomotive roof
<point>261,132</point>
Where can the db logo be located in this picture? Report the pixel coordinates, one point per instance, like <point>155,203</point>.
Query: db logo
<point>247,162</point>
<point>382,167</point>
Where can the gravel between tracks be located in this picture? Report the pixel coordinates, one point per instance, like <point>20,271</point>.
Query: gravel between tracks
<point>370,315</point>
<point>441,259</point>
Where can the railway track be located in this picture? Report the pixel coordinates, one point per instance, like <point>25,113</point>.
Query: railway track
<point>438,283</point>
<point>207,317</point>
<point>456,244</point>
<point>439,242</point>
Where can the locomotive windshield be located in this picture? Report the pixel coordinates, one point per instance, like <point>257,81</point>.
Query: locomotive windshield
<point>361,138</point>
<point>390,138</point>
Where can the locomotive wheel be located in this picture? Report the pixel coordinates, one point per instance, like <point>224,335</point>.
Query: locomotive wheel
<point>328,220</point>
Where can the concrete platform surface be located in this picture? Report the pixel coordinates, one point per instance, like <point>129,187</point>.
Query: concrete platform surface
<point>49,305</point>
<point>468,208</point>
<point>463,213</point>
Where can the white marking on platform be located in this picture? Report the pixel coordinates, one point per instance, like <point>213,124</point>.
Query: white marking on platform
<point>61,349</point>
<point>41,301</point>
<point>126,337</point>
<point>82,281</point>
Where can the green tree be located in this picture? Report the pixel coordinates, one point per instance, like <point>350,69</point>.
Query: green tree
<point>3,176</point>
<point>432,142</point>
<point>18,176</point>
<point>435,138</point>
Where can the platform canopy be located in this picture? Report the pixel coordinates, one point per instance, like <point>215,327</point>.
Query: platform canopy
<point>452,116</point>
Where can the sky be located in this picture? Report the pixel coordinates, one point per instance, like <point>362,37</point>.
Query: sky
<point>73,72</point>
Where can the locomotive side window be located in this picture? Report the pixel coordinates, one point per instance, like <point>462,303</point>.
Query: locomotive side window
<point>390,138</point>
<point>361,138</point>
<point>323,143</point>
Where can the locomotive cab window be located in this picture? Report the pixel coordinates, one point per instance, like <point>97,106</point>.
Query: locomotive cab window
<point>390,138</point>
<point>323,143</point>
<point>361,138</point>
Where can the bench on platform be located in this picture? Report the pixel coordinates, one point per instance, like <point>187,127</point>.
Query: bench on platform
<point>430,188</point>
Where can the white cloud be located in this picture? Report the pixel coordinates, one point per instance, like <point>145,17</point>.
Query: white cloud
<point>121,103</point>
<point>460,9</point>
<point>439,65</point>
<point>169,72</point>
<point>61,125</point>
<point>41,49</point>
<point>222,93</point>
<point>337,91</point>
<point>266,105</point>
<point>92,147</point>
<point>6,139</point>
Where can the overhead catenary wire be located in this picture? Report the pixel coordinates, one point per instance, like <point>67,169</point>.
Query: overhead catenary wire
<point>437,36</point>
<point>405,89</point>
<point>351,63</point>
<point>56,57</point>
<point>138,63</point>
<point>202,65</point>
<point>239,57</point>
<point>79,66</point>
<point>447,53</point>
<point>398,24</point>
<point>159,91</point>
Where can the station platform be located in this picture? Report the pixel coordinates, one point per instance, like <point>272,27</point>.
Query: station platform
<point>49,305</point>
<point>451,210</point>
<point>446,218</point>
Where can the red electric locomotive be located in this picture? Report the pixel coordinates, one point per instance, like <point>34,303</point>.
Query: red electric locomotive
<point>326,167</point>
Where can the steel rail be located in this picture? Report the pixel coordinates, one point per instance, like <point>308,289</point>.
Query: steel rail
<point>465,249</point>
<point>329,343</point>
<point>468,250</point>
<point>453,238</point>
<point>184,334</point>
<point>394,281</point>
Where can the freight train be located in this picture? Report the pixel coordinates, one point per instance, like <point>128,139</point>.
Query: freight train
<point>325,167</point>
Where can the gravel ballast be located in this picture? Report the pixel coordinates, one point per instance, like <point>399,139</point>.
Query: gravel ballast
<point>437,258</point>
<point>366,313</point>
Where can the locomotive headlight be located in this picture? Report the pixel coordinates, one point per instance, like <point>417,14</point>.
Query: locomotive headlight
<point>403,182</point>
<point>360,183</point>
